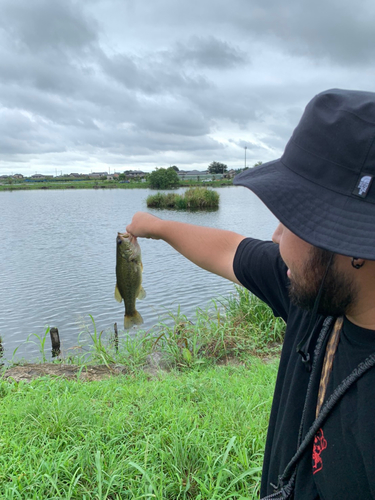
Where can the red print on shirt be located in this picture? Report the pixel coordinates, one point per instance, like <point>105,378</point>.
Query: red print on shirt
<point>320,444</point>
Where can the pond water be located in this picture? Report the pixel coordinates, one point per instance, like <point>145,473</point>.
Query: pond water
<point>58,251</point>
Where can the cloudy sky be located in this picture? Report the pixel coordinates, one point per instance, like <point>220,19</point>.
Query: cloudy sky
<point>111,85</point>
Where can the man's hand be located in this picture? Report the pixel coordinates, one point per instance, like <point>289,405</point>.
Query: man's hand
<point>144,225</point>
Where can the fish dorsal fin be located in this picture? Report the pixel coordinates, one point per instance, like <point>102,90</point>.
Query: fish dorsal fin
<point>117,294</point>
<point>141,293</point>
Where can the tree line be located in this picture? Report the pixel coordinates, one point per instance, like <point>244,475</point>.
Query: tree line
<point>167,178</point>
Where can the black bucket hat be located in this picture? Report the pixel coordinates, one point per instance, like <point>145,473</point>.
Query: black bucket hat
<point>323,187</point>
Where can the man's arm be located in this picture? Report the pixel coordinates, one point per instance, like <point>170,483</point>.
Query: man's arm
<point>209,248</point>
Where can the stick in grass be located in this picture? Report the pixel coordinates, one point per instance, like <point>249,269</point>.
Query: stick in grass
<point>55,340</point>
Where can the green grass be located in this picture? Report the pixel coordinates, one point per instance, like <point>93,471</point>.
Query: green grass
<point>102,184</point>
<point>194,198</point>
<point>256,321</point>
<point>86,184</point>
<point>193,431</point>
<point>234,328</point>
<point>197,434</point>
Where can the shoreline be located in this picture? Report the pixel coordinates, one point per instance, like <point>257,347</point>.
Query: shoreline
<point>188,422</point>
<point>104,185</point>
<point>241,327</point>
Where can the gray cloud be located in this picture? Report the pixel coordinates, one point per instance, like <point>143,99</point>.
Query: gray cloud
<point>20,134</point>
<point>209,52</point>
<point>339,29</point>
<point>152,75</point>
<point>42,26</point>
<point>90,83</point>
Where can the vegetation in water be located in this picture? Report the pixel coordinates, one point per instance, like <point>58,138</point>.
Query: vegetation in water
<point>195,198</point>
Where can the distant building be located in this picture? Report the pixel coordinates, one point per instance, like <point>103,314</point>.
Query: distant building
<point>197,175</point>
<point>98,175</point>
<point>135,174</point>
<point>230,174</point>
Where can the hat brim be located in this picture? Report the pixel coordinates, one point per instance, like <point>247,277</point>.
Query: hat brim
<point>321,217</point>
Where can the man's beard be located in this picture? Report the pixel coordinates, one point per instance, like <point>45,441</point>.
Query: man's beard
<point>338,294</point>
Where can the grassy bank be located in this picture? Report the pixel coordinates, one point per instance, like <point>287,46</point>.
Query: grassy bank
<point>193,430</point>
<point>99,184</point>
<point>197,434</point>
<point>194,198</point>
<point>87,184</point>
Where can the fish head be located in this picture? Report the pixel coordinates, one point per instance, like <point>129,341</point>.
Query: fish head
<point>128,247</point>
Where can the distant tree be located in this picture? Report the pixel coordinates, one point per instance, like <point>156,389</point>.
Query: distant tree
<point>175,168</point>
<point>217,168</point>
<point>122,177</point>
<point>258,164</point>
<point>164,178</point>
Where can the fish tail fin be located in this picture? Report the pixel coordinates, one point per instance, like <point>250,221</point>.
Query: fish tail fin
<point>132,319</point>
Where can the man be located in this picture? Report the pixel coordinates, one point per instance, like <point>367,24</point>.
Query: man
<point>319,277</point>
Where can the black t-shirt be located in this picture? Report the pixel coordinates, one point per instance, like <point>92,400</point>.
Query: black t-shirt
<point>340,463</point>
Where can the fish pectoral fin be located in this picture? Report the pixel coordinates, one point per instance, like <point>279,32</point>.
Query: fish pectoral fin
<point>141,294</point>
<point>117,294</point>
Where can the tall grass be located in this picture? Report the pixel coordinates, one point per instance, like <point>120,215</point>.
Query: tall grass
<point>256,320</point>
<point>39,340</point>
<point>233,328</point>
<point>195,430</point>
<point>194,198</point>
<point>236,327</point>
<point>201,197</point>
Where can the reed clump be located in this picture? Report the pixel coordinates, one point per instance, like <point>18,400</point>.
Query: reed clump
<point>195,198</point>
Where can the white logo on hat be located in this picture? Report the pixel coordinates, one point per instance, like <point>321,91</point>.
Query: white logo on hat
<point>364,184</point>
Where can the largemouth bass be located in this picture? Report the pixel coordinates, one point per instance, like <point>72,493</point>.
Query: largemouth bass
<point>129,277</point>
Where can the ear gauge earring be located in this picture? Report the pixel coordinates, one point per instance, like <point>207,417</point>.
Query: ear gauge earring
<point>358,265</point>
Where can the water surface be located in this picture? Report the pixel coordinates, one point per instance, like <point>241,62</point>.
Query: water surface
<point>58,249</point>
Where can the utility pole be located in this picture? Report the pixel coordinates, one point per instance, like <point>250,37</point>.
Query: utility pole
<point>245,156</point>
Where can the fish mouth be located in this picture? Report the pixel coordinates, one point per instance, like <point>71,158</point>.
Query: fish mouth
<point>125,237</point>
